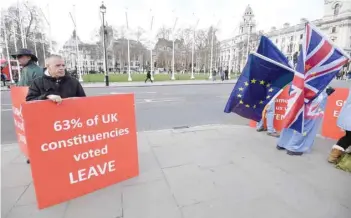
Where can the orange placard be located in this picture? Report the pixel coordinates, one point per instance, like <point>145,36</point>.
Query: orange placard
<point>280,106</point>
<point>18,97</point>
<point>81,145</point>
<point>331,114</point>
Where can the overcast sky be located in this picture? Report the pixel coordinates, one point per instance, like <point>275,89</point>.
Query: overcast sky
<point>267,13</point>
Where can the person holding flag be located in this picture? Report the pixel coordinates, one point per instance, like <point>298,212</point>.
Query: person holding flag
<point>344,122</point>
<point>296,143</point>
<point>319,62</point>
<point>270,112</point>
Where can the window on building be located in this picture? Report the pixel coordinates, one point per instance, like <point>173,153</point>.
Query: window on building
<point>336,9</point>
<point>333,29</point>
<point>301,36</point>
<point>276,41</point>
<point>291,38</point>
<point>250,29</point>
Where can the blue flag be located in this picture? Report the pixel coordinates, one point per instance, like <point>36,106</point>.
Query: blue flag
<point>294,141</point>
<point>269,50</point>
<point>261,80</point>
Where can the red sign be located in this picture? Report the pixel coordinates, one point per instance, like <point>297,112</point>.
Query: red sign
<point>334,105</point>
<point>279,110</point>
<point>18,97</point>
<point>81,145</point>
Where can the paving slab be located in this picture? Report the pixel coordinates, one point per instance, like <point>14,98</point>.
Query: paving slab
<point>205,171</point>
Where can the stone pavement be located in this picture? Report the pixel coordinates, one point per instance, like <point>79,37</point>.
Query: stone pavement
<point>200,172</point>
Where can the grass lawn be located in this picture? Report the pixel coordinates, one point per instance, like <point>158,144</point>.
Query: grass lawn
<point>140,77</point>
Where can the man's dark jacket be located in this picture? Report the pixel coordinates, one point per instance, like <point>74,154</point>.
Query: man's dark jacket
<point>66,87</point>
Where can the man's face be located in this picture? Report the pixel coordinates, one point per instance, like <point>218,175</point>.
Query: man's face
<point>57,67</point>
<point>23,60</point>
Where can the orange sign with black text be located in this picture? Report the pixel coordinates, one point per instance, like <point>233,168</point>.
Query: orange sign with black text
<point>18,97</point>
<point>279,110</point>
<point>331,114</point>
<point>81,145</point>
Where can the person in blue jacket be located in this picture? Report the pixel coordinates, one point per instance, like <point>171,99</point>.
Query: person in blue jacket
<point>344,122</point>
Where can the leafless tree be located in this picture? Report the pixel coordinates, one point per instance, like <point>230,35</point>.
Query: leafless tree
<point>164,33</point>
<point>25,22</point>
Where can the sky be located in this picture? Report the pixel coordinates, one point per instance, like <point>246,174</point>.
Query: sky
<point>225,14</point>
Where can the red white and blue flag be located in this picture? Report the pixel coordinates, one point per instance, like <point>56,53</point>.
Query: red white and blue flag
<point>319,62</point>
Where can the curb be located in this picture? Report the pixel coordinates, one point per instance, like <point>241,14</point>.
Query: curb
<point>154,84</point>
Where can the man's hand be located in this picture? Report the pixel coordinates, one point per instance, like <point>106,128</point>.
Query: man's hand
<point>55,98</point>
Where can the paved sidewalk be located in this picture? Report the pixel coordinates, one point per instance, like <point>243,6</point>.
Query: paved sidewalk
<point>201,172</point>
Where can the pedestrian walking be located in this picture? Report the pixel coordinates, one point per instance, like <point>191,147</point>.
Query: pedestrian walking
<point>30,70</point>
<point>344,122</point>
<point>148,76</point>
<point>222,75</point>
<point>3,78</point>
<point>214,75</point>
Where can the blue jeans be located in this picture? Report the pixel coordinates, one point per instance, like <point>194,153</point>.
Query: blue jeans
<point>270,119</point>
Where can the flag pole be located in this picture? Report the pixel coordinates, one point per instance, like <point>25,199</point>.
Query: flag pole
<point>192,52</point>
<point>129,76</point>
<point>15,43</point>
<point>173,39</point>
<point>8,53</point>
<point>152,74</point>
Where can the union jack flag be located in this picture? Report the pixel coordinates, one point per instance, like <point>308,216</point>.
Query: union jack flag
<point>319,62</point>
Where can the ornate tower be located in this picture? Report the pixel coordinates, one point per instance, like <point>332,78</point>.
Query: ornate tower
<point>248,24</point>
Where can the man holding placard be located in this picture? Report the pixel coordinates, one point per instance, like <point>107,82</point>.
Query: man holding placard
<point>55,85</point>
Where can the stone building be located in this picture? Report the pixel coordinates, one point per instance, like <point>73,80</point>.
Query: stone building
<point>335,23</point>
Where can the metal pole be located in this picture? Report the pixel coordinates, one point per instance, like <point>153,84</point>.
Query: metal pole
<point>8,54</point>
<point>210,77</point>
<point>230,62</point>
<point>15,42</point>
<point>192,56</point>
<point>151,63</point>
<point>173,78</point>
<point>193,51</point>
<point>129,76</point>
<point>43,45</point>
<point>105,52</point>
<point>77,46</point>
<point>49,22</point>
<point>21,26</point>
<point>35,46</point>
<point>173,37</point>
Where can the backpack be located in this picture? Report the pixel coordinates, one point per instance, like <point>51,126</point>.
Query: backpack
<point>345,163</point>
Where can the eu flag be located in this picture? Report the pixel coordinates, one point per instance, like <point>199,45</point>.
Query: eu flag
<point>269,50</point>
<point>261,80</point>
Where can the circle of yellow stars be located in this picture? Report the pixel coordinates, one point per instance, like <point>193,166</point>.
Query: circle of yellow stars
<point>254,81</point>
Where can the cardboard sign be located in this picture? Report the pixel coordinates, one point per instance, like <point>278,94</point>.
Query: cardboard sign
<point>279,111</point>
<point>18,97</point>
<point>331,114</point>
<point>81,145</point>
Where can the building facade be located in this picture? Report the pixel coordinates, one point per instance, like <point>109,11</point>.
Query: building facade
<point>335,23</point>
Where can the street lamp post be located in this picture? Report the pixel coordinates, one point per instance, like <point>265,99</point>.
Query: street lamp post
<point>74,20</point>
<point>103,11</point>
<point>192,52</point>
<point>129,76</point>
<point>212,36</point>
<point>173,37</point>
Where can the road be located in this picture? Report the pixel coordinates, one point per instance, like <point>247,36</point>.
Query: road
<point>160,107</point>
